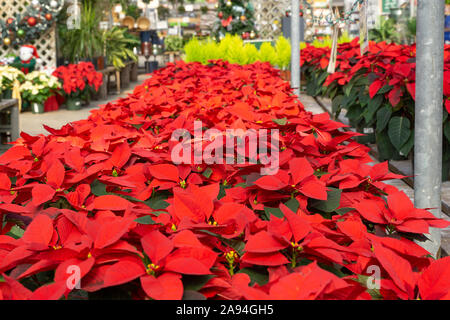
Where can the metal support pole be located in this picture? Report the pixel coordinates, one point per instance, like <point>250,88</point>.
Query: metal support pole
<point>295,47</point>
<point>428,113</point>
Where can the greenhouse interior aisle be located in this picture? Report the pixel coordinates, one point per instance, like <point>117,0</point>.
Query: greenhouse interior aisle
<point>225,150</point>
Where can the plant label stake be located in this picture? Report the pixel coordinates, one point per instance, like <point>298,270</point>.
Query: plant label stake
<point>332,64</point>
<point>363,30</point>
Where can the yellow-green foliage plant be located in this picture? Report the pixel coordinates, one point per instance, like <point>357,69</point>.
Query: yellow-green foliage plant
<point>325,42</point>
<point>268,54</point>
<point>210,50</point>
<point>251,53</point>
<point>232,49</point>
<point>283,52</point>
<point>194,51</point>
<point>345,38</point>
<point>223,45</point>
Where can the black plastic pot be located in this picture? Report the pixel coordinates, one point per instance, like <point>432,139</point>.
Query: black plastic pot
<point>73,103</point>
<point>94,61</point>
<point>37,108</point>
<point>7,94</point>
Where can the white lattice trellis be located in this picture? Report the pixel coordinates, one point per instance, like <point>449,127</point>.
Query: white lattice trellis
<point>268,15</point>
<point>45,44</point>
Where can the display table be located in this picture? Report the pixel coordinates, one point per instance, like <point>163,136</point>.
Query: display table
<point>9,122</point>
<point>128,74</point>
<point>134,71</point>
<point>122,79</point>
<point>172,56</point>
<point>107,73</point>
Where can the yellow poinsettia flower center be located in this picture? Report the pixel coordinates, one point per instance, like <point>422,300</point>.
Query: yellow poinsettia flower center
<point>231,256</point>
<point>296,246</point>
<point>151,269</point>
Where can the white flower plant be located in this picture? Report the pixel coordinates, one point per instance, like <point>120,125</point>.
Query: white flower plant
<point>38,86</point>
<point>8,75</point>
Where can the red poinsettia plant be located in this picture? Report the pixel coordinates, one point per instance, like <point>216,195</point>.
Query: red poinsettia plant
<point>79,80</point>
<point>98,205</point>
<point>377,91</point>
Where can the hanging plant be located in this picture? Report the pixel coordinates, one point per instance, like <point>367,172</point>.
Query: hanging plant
<point>204,9</point>
<point>31,23</point>
<point>163,12</point>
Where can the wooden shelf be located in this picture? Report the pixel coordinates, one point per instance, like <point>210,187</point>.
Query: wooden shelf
<point>11,128</point>
<point>6,103</point>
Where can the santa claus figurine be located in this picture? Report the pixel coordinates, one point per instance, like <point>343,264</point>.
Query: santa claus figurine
<point>27,59</point>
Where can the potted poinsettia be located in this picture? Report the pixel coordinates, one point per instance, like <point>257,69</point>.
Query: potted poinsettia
<point>37,88</point>
<point>79,81</point>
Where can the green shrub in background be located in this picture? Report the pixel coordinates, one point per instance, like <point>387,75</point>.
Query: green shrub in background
<point>118,46</point>
<point>234,50</point>
<point>86,42</point>
<point>173,43</point>
<point>133,10</point>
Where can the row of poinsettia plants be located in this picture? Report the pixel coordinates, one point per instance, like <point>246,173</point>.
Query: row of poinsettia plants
<point>377,92</point>
<point>102,196</point>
